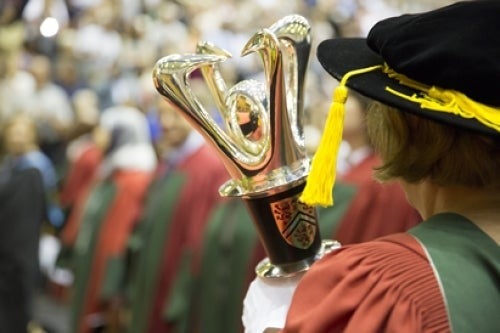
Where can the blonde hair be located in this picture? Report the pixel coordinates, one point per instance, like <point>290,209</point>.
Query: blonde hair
<point>414,149</point>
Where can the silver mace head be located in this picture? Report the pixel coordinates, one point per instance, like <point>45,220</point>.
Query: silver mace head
<point>262,143</point>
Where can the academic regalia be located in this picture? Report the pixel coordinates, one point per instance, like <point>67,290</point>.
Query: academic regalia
<point>267,300</point>
<point>82,175</point>
<point>400,282</point>
<point>177,209</point>
<point>375,209</point>
<point>360,202</point>
<point>231,251</point>
<point>359,289</point>
<point>106,217</point>
<point>101,244</point>
<point>466,262</point>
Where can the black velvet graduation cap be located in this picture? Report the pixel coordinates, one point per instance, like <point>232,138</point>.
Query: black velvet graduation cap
<point>442,64</point>
<point>456,47</point>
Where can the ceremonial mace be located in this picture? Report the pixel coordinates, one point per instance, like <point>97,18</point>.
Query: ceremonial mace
<point>261,141</point>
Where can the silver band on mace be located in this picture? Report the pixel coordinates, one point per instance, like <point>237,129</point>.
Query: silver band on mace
<point>261,142</point>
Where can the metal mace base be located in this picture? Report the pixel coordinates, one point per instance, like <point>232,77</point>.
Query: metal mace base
<point>266,269</point>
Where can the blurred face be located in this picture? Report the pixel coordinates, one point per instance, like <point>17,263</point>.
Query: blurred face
<point>20,136</point>
<point>40,69</point>
<point>175,129</point>
<point>101,137</point>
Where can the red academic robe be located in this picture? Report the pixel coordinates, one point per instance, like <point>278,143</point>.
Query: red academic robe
<point>386,285</point>
<point>110,243</point>
<point>204,174</point>
<point>376,209</point>
<point>81,175</point>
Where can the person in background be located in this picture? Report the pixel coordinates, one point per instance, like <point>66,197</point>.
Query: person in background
<point>27,186</point>
<point>20,142</point>
<point>437,129</point>
<point>50,107</point>
<point>102,221</point>
<point>22,213</point>
<point>15,85</point>
<point>84,155</point>
<point>179,203</point>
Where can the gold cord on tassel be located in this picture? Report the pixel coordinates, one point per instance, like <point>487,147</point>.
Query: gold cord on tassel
<point>446,100</point>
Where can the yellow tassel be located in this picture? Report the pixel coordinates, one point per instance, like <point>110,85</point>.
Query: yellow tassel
<point>318,190</point>
<point>321,179</point>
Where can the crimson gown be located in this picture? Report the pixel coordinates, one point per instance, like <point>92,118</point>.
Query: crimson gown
<point>442,273</point>
<point>386,285</point>
<point>112,210</point>
<point>81,175</point>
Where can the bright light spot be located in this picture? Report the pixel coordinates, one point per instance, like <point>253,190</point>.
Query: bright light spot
<point>49,27</point>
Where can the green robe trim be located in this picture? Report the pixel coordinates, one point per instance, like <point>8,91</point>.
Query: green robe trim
<point>96,207</point>
<point>229,244</point>
<point>148,244</point>
<point>330,217</point>
<point>114,275</point>
<point>466,263</point>
<point>176,308</point>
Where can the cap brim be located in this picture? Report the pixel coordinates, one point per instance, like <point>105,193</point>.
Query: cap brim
<point>342,55</point>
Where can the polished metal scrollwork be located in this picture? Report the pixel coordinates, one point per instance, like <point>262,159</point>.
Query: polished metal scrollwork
<point>261,140</point>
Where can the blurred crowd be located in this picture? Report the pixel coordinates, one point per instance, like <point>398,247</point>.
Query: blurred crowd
<point>77,103</point>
